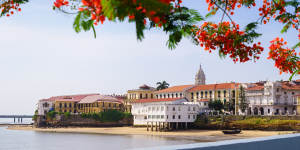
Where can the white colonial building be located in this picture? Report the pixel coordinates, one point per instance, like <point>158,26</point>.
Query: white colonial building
<point>272,98</point>
<point>44,106</point>
<point>172,112</point>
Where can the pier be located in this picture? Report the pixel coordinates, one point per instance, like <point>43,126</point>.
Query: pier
<point>18,119</point>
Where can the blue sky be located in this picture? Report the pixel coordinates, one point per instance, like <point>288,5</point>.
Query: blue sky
<point>42,56</point>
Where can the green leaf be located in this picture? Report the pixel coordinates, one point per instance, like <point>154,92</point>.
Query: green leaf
<point>294,73</point>
<point>297,45</point>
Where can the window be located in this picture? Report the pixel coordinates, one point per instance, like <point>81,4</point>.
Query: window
<point>293,93</point>
<point>205,94</point>
<point>167,116</point>
<point>173,108</point>
<point>151,95</point>
<point>168,95</point>
<point>197,95</point>
<point>108,104</point>
<point>201,94</point>
<point>284,92</point>
<point>70,105</point>
<point>180,94</point>
<point>146,96</point>
<point>167,108</point>
<point>172,95</point>
<point>210,94</point>
<point>179,109</point>
<point>60,105</point>
<point>149,116</point>
<point>115,104</point>
<point>189,117</point>
<point>162,108</point>
<point>176,95</point>
<point>173,116</point>
<point>192,95</point>
<point>277,90</point>
<point>179,116</point>
<point>149,108</point>
<point>204,103</point>
<point>145,117</point>
<point>65,105</point>
<point>157,108</point>
<point>219,94</point>
<point>224,93</point>
<point>194,116</point>
<point>153,108</point>
<point>194,108</point>
<point>162,116</point>
<point>141,96</point>
<point>189,108</point>
<point>164,95</point>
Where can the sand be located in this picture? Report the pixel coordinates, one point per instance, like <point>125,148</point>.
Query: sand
<point>197,135</point>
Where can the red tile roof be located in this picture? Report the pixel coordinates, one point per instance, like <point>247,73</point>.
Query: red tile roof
<point>203,100</point>
<point>156,100</point>
<point>72,98</point>
<point>214,86</point>
<point>95,98</point>
<point>289,86</point>
<point>173,89</point>
<point>255,88</point>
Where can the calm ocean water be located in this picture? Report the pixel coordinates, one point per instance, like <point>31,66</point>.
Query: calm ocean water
<point>32,140</point>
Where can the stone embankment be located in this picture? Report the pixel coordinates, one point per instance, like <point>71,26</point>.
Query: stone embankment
<point>268,123</point>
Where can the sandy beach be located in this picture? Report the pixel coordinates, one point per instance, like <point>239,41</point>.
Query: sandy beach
<point>197,135</point>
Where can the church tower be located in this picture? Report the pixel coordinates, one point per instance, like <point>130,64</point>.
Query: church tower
<point>200,77</point>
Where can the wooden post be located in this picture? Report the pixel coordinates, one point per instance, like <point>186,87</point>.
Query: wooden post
<point>159,128</point>
<point>186,125</point>
<point>169,125</point>
<point>176,125</point>
<point>147,126</point>
<point>156,126</point>
<point>151,126</point>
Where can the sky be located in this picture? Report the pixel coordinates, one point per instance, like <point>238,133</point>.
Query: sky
<point>42,56</point>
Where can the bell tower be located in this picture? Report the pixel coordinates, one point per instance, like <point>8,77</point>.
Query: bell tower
<point>200,77</point>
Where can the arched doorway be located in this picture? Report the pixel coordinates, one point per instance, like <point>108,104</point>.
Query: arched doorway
<point>262,111</point>
<point>249,111</point>
<point>255,111</point>
<point>285,110</point>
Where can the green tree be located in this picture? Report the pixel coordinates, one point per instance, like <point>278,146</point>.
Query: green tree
<point>223,35</point>
<point>162,85</point>
<point>215,105</point>
<point>243,101</point>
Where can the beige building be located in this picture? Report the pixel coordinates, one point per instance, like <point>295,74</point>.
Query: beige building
<point>143,92</point>
<point>99,103</point>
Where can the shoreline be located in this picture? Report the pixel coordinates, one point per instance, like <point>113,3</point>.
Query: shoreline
<point>193,135</point>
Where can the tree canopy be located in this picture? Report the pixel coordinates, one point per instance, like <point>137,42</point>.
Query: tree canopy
<point>162,85</point>
<point>178,22</point>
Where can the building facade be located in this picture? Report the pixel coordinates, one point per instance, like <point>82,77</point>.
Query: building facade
<point>143,92</point>
<point>168,110</point>
<point>83,103</point>
<point>272,98</point>
<point>99,103</point>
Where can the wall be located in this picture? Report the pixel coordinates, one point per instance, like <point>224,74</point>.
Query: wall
<point>77,120</point>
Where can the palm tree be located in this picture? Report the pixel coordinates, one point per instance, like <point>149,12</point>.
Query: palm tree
<point>162,85</point>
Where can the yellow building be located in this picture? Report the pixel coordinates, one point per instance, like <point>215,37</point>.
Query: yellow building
<point>297,104</point>
<point>65,105</point>
<point>143,92</point>
<point>68,103</point>
<point>223,91</point>
<point>99,103</point>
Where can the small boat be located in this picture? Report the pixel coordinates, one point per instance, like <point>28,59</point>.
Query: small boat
<point>234,131</point>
